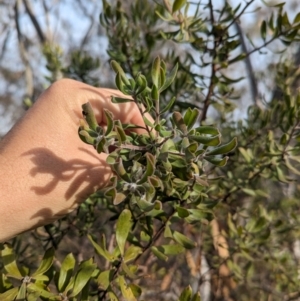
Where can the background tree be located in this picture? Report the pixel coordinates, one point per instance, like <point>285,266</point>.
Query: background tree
<point>248,232</point>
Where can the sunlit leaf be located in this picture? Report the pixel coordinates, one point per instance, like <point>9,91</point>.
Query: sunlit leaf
<point>9,262</point>
<point>9,295</point>
<point>136,290</point>
<point>122,229</point>
<point>84,274</point>
<point>178,4</point>
<point>183,240</point>
<point>46,263</point>
<point>65,272</point>
<point>186,294</point>
<point>125,289</point>
<point>104,279</point>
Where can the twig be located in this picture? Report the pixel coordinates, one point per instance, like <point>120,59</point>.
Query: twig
<point>34,21</point>
<point>24,54</point>
<point>206,102</point>
<point>249,68</point>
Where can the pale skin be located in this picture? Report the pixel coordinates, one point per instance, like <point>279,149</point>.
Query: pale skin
<point>46,170</point>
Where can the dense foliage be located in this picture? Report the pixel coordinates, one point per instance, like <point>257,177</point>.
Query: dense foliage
<point>185,214</point>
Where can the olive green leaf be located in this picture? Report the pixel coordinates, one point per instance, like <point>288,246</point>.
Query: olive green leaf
<point>179,122</point>
<point>122,229</point>
<point>186,294</point>
<point>101,250</point>
<point>150,168</point>
<point>223,149</point>
<point>66,271</point>
<point>9,295</point>
<point>84,274</point>
<point>155,72</point>
<point>131,253</point>
<point>89,115</point>
<point>116,99</point>
<point>173,249</point>
<point>118,69</point>
<point>178,4</point>
<point>45,264</point>
<point>217,161</point>
<point>190,117</point>
<point>183,240</point>
<point>125,289</point>
<point>169,80</point>
<point>22,292</point>
<point>159,254</point>
<point>136,290</point>
<point>104,279</point>
<point>9,262</point>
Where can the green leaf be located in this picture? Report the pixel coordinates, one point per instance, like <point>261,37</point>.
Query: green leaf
<point>201,214</point>
<point>142,84</point>
<point>168,106</point>
<point>190,117</point>
<point>281,176</point>
<point>246,154</point>
<point>122,229</point>
<point>186,294</point>
<point>22,292</point>
<point>9,295</point>
<point>126,290</point>
<point>9,262</point>
<point>104,279</point>
<point>136,290</point>
<point>206,129</point>
<point>263,30</point>
<point>66,271</point>
<point>179,122</point>
<point>84,274</point>
<point>184,241</point>
<point>154,95</point>
<point>112,296</point>
<point>109,121</point>
<point>223,149</point>
<point>115,99</point>
<point>159,254</point>
<point>182,212</point>
<point>169,80</point>
<point>206,140</point>
<point>171,249</point>
<point>145,205</point>
<point>131,253</point>
<point>178,4</point>
<point>155,72</point>
<point>120,134</point>
<point>118,69</point>
<point>120,170</point>
<point>89,116</point>
<point>196,297</point>
<point>217,161</point>
<point>33,287</point>
<point>101,250</point>
<point>150,168</point>
<point>45,264</point>
<point>128,271</point>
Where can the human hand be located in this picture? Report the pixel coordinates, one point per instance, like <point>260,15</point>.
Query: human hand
<point>46,170</point>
